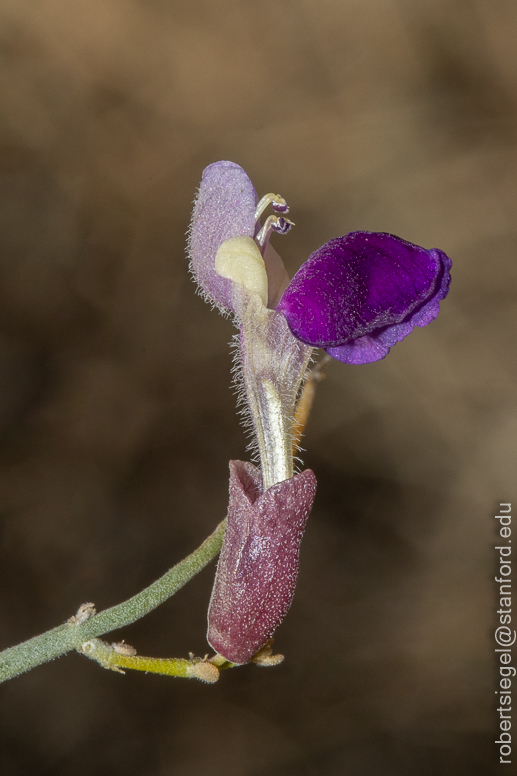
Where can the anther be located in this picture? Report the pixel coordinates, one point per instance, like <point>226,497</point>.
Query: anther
<point>273,224</point>
<point>277,202</point>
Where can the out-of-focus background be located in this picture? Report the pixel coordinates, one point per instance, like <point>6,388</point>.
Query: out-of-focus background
<point>117,417</point>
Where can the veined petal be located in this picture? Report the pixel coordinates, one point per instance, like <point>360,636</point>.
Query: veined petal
<point>358,295</point>
<point>258,566</point>
<point>224,208</point>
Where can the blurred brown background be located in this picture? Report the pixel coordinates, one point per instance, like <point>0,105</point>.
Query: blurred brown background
<point>117,419</point>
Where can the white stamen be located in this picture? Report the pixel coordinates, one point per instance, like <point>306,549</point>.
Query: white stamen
<point>277,202</point>
<point>273,224</point>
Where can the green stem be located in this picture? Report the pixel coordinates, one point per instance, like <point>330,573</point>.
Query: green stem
<point>64,638</point>
<point>113,657</point>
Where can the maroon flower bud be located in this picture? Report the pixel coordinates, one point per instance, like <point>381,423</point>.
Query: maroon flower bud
<point>258,566</point>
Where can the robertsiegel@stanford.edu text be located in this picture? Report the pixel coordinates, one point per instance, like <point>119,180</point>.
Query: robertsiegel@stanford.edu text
<point>504,635</point>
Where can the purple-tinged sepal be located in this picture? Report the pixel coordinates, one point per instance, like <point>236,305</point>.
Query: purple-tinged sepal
<point>258,566</point>
<point>360,294</point>
<point>224,209</point>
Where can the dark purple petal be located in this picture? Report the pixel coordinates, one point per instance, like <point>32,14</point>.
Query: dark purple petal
<point>375,346</point>
<point>224,208</point>
<point>258,566</point>
<point>360,294</point>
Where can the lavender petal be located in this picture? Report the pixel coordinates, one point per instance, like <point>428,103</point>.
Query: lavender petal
<point>224,208</point>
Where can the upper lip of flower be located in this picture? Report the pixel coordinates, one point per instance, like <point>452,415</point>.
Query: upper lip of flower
<point>224,208</point>
<point>356,296</point>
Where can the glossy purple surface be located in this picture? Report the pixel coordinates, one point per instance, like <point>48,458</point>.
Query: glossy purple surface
<point>360,294</point>
<point>258,566</point>
<point>224,208</point>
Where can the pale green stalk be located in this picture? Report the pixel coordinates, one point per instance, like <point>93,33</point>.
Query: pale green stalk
<point>64,638</point>
<point>119,656</point>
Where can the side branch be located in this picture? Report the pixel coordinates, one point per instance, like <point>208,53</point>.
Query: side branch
<point>64,638</point>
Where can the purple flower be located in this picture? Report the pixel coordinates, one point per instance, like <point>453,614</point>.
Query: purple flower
<point>258,565</point>
<point>356,296</point>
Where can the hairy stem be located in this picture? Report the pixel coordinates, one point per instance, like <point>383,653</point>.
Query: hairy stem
<point>112,657</point>
<point>64,638</point>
